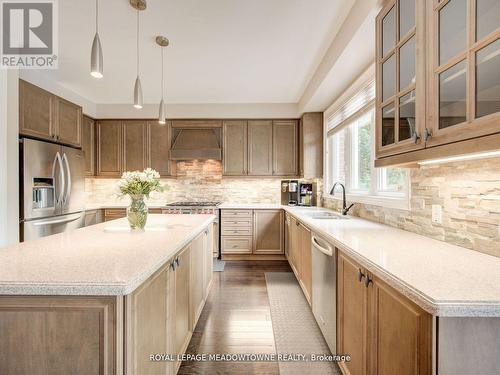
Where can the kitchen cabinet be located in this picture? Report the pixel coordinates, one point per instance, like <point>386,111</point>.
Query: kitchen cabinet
<point>305,266</point>
<point>114,213</point>
<point>88,145</point>
<point>158,147</point>
<point>287,235</point>
<point>437,80</point>
<point>197,289</point>
<point>285,148</point>
<point>36,111</point>
<point>311,145</point>
<point>134,145</point>
<point>260,147</point>
<point>382,330</point>
<point>234,148</point>
<point>109,148</point>
<point>208,259</point>
<point>268,231</point>
<point>93,217</point>
<point>46,116</point>
<point>400,76</point>
<point>68,122</point>
<point>236,232</point>
<point>294,250</point>
<point>182,316</point>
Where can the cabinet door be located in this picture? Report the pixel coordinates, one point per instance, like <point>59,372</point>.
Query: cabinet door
<point>305,268</point>
<point>464,100</point>
<point>197,289</point>
<point>352,316</point>
<point>285,148</point>
<point>268,232</point>
<point>182,310</point>
<point>146,326</point>
<point>208,260</point>
<point>234,143</point>
<point>134,145</point>
<point>260,148</point>
<point>68,122</point>
<point>287,235</point>
<point>88,145</point>
<point>400,333</point>
<point>36,111</point>
<point>109,148</point>
<point>158,147</point>
<point>400,77</point>
<point>294,244</point>
<point>311,145</point>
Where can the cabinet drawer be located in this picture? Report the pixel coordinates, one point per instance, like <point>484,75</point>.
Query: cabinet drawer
<point>237,222</point>
<point>236,245</point>
<point>236,231</point>
<point>114,213</point>
<point>236,213</point>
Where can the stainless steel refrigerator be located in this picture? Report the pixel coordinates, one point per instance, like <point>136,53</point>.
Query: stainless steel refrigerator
<point>52,189</point>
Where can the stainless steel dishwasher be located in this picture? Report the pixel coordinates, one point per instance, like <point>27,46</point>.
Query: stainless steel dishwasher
<point>324,288</point>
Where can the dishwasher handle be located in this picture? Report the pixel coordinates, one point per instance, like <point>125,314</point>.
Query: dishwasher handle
<point>325,250</point>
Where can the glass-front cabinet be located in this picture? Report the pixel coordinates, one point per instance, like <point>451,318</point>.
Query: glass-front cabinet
<point>400,104</point>
<point>464,79</point>
<point>438,75</point>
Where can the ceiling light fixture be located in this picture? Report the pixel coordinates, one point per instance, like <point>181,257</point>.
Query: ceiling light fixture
<point>139,5</point>
<point>481,155</point>
<point>162,42</point>
<point>96,61</point>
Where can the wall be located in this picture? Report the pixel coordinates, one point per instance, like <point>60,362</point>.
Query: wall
<point>196,181</point>
<point>9,157</point>
<point>468,191</point>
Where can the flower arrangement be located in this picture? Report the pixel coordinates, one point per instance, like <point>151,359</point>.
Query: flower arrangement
<point>138,185</point>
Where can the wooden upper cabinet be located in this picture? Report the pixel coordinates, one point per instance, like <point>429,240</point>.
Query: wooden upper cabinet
<point>88,145</point>
<point>68,122</point>
<point>311,145</point>
<point>400,77</point>
<point>134,145</point>
<point>47,116</point>
<point>400,333</point>
<point>158,147</point>
<point>268,232</point>
<point>260,147</point>
<point>109,148</point>
<point>464,78</point>
<point>352,299</point>
<point>36,111</point>
<point>234,148</point>
<point>285,147</point>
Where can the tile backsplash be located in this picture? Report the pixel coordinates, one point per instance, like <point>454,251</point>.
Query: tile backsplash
<point>469,193</point>
<point>196,181</point>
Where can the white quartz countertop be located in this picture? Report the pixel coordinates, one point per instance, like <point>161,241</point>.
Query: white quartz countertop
<point>444,279</point>
<point>249,206</point>
<point>103,259</point>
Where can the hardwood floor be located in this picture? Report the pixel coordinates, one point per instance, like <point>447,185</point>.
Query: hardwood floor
<point>236,319</point>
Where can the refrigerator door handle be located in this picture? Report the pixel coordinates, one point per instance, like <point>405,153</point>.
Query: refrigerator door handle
<point>57,159</point>
<point>56,221</point>
<point>68,170</point>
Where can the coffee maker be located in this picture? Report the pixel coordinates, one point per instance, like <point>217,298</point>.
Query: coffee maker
<point>297,193</point>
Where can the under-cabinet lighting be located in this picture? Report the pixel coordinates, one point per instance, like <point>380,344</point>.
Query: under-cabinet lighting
<point>450,159</point>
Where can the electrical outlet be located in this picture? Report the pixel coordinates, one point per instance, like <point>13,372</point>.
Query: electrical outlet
<point>437,214</point>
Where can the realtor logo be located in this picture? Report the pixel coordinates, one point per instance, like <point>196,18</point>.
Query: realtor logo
<point>29,34</point>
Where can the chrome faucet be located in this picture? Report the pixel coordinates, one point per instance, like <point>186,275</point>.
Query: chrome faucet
<point>345,209</point>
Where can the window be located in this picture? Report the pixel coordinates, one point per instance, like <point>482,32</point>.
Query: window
<point>350,153</point>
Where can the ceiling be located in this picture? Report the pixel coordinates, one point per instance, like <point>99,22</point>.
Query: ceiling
<point>222,51</point>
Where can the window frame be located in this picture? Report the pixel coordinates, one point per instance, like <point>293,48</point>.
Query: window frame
<point>375,195</point>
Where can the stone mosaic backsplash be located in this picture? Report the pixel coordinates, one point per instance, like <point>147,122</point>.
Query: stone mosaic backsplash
<point>469,193</point>
<point>196,181</point>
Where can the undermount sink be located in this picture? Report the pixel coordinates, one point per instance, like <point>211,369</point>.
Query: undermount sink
<point>327,215</point>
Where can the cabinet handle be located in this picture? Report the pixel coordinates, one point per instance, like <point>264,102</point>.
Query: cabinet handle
<point>173,265</point>
<point>178,261</point>
<point>368,281</point>
<point>360,275</point>
<point>427,134</point>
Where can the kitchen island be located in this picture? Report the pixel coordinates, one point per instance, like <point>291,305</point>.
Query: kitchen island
<point>102,299</point>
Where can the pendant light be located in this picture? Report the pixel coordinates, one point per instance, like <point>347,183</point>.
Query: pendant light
<point>138,5</point>
<point>96,61</point>
<point>162,42</point>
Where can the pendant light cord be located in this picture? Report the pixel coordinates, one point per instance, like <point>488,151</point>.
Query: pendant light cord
<point>162,79</point>
<point>137,43</point>
<point>96,16</point>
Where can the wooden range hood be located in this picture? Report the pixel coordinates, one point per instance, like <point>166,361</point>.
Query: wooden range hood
<point>196,139</point>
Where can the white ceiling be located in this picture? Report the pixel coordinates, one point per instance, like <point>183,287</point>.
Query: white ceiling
<point>222,51</point>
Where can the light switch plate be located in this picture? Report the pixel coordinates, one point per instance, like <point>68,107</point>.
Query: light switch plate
<point>437,214</point>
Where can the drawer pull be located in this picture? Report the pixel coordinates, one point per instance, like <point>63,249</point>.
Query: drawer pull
<point>360,275</point>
